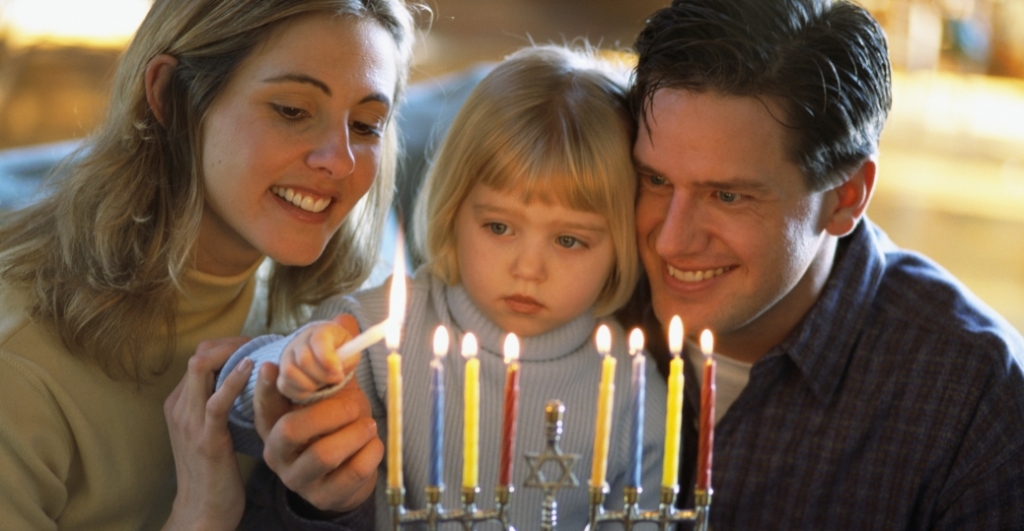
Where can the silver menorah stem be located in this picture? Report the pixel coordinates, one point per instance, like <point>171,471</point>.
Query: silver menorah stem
<point>553,412</point>
<point>396,499</point>
<point>702,508</point>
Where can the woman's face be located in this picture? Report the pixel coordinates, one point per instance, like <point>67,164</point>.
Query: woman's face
<point>294,141</point>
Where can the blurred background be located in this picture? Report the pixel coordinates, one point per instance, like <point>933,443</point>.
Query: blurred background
<point>951,179</point>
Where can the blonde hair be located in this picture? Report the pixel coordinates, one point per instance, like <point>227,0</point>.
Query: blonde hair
<point>106,251</point>
<point>550,122</point>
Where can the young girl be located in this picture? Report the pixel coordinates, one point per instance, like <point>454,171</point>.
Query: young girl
<point>526,227</point>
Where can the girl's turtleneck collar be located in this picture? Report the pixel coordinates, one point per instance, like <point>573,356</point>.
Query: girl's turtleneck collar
<point>557,343</point>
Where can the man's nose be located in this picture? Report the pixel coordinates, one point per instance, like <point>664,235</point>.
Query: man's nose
<point>681,231</point>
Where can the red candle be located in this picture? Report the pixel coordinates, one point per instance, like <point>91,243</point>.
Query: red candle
<point>707,413</point>
<point>511,412</point>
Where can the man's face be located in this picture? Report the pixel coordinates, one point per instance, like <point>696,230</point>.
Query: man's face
<point>729,233</point>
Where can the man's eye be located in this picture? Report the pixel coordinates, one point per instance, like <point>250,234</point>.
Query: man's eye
<point>568,241</point>
<point>498,228</point>
<point>727,197</point>
<point>656,180</point>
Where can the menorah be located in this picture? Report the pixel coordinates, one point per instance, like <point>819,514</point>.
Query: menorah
<point>468,515</point>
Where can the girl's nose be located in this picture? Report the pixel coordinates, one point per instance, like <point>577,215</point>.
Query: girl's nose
<point>529,263</point>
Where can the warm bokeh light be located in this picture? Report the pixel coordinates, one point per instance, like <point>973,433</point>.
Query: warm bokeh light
<point>604,340</point>
<point>707,342</point>
<point>675,336</point>
<point>469,345</point>
<point>511,348</point>
<point>440,341</point>
<point>396,299</point>
<point>95,23</point>
<point>636,341</point>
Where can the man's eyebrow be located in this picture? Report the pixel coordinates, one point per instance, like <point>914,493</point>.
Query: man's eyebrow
<point>643,168</point>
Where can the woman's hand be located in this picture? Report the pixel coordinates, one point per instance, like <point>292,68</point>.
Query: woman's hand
<point>326,452</point>
<point>210,491</point>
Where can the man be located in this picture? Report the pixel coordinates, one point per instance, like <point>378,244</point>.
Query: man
<point>871,390</point>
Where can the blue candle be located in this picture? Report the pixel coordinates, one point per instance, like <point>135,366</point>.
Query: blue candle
<point>437,407</point>
<point>637,390</point>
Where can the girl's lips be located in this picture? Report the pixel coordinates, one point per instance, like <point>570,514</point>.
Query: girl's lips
<point>522,304</point>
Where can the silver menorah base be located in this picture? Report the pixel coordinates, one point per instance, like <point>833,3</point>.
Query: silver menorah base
<point>469,515</point>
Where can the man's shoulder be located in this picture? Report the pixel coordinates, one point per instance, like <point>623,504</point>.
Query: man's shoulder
<point>918,297</point>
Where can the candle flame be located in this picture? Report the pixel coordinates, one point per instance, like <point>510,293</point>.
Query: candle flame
<point>396,302</point>
<point>707,342</point>
<point>604,340</point>
<point>675,336</point>
<point>511,348</point>
<point>636,341</point>
<point>440,341</point>
<point>469,345</point>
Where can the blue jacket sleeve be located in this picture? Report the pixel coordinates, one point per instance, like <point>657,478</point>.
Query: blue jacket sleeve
<point>262,349</point>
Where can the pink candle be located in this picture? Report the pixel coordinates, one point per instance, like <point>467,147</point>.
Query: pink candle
<point>707,413</point>
<point>511,412</point>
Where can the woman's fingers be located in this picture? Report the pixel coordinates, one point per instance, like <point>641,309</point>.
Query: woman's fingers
<point>269,405</point>
<point>219,404</point>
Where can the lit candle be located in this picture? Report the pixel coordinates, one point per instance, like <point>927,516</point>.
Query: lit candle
<point>603,423</point>
<point>637,388</point>
<point>437,406</point>
<point>707,412</point>
<point>394,395</point>
<point>471,420</point>
<point>674,416</point>
<point>511,411</point>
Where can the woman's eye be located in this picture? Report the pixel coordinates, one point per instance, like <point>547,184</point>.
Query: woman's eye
<point>568,241</point>
<point>290,113</point>
<point>727,197</point>
<point>498,228</point>
<point>366,129</point>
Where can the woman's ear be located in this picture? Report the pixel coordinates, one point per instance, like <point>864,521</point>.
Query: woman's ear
<point>851,199</point>
<point>158,76</point>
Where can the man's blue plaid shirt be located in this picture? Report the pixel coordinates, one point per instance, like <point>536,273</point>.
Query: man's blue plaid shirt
<point>896,404</point>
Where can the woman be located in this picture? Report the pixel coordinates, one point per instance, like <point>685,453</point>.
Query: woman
<point>237,130</point>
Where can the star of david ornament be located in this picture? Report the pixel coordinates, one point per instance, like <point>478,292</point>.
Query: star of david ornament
<point>553,412</point>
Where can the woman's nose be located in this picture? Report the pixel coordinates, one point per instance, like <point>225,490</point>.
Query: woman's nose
<point>333,154</point>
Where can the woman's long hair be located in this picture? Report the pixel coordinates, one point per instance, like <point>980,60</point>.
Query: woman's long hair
<point>102,257</point>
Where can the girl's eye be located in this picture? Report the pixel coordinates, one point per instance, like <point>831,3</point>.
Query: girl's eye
<point>366,129</point>
<point>291,113</point>
<point>568,241</point>
<point>727,197</point>
<point>498,228</point>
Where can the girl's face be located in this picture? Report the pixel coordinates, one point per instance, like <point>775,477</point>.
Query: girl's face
<point>294,141</point>
<point>531,267</point>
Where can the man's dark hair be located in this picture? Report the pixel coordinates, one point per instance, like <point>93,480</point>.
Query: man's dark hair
<point>825,63</point>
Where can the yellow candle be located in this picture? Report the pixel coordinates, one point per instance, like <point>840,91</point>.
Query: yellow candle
<point>392,335</point>
<point>674,415</point>
<point>394,421</point>
<point>471,420</point>
<point>605,397</point>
